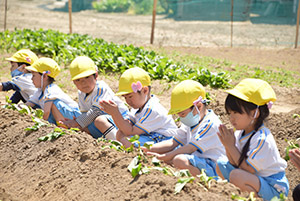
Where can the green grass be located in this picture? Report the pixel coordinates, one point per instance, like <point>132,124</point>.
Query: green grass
<point>273,75</point>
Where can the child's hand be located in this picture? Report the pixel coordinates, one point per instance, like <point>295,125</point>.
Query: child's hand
<point>162,157</point>
<point>226,136</point>
<point>70,123</point>
<point>145,149</point>
<point>295,157</point>
<point>109,107</point>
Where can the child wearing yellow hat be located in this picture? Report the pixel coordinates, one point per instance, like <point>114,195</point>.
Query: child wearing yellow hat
<point>200,146</point>
<point>56,104</point>
<point>254,162</point>
<point>148,118</point>
<point>21,79</point>
<point>92,119</point>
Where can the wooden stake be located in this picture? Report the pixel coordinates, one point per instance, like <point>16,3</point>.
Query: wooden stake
<point>231,32</point>
<point>297,27</point>
<point>5,13</point>
<point>70,15</point>
<point>153,21</point>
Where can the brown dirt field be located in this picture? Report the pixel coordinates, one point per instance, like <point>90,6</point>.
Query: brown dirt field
<point>74,167</point>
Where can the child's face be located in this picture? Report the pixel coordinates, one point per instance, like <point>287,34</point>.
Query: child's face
<point>135,100</point>
<point>36,79</point>
<point>14,66</point>
<point>184,112</point>
<point>241,121</point>
<point>85,84</point>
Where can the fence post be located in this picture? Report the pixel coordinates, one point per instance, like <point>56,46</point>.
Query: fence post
<point>5,13</point>
<point>297,26</point>
<point>70,16</point>
<point>153,21</point>
<point>231,26</point>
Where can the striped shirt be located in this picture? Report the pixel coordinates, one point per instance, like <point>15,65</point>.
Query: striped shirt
<point>204,137</point>
<point>89,104</point>
<point>51,93</point>
<point>24,83</point>
<point>153,118</point>
<point>263,154</point>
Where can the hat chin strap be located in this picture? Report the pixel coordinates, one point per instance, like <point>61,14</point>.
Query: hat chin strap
<point>255,114</point>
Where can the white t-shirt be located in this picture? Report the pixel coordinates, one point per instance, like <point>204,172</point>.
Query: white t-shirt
<point>263,154</point>
<point>153,118</point>
<point>204,137</point>
<point>101,92</point>
<point>52,92</point>
<point>25,85</point>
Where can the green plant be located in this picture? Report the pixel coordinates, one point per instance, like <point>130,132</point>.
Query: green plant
<point>296,115</point>
<point>282,197</point>
<point>204,179</point>
<point>108,57</point>
<point>240,198</point>
<point>291,145</point>
<point>111,5</point>
<point>181,182</point>
<point>56,133</point>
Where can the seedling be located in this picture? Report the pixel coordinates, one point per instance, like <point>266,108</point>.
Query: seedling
<point>181,182</point>
<point>240,198</point>
<point>56,133</point>
<point>135,166</point>
<point>204,179</point>
<point>296,115</point>
<point>282,197</point>
<point>37,124</point>
<point>291,145</point>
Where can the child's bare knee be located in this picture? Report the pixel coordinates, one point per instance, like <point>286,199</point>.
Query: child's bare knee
<point>180,161</point>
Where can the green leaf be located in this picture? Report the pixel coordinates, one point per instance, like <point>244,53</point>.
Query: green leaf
<point>182,182</point>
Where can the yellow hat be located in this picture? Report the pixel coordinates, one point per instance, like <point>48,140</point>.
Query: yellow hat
<point>184,94</point>
<point>23,56</point>
<point>254,91</point>
<point>132,79</point>
<point>43,65</point>
<point>82,66</point>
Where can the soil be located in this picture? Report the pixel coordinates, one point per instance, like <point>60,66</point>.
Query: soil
<point>75,166</point>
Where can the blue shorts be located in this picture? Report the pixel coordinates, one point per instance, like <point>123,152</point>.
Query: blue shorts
<point>270,186</point>
<point>152,137</point>
<point>203,163</point>
<point>65,110</point>
<point>95,132</point>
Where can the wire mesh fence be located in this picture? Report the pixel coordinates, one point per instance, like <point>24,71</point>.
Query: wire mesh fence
<point>256,23</point>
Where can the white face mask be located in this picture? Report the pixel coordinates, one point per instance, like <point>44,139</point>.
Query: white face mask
<point>191,120</point>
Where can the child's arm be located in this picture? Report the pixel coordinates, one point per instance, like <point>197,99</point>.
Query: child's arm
<point>295,157</point>
<point>125,126</point>
<point>186,149</point>
<point>47,110</point>
<point>227,138</point>
<point>6,86</point>
<point>162,147</point>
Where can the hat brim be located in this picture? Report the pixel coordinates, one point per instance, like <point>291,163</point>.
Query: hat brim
<point>177,110</point>
<point>84,74</point>
<point>238,94</point>
<point>121,93</point>
<point>30,68</point>
<point>11,59</point>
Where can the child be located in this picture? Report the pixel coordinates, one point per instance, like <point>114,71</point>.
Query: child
<point>148,118</point>
<point>295,159</point>
<point>254,162</point>
<point>200,147</point>
<point>55,103</point>
<point>90,91</point>
<point>21,79</point>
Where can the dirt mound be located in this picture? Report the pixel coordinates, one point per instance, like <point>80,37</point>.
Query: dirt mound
<point>75,167</point>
